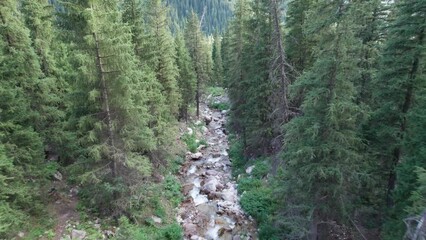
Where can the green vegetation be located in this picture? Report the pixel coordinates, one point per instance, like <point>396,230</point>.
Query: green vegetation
<point>256,192</point>
<point>334,99</point>
<point>216,17</point>
<point>329,106</point>
<point>94,91</point>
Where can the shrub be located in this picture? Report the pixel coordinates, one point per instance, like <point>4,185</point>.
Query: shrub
<point>191,142</point>
<point>172,187</point>
<point>260,170</point>
<point>248,184</point>
<point>173,232</point>
<point>257,203</point>
<point>215,91</point>
<point>220,106</point>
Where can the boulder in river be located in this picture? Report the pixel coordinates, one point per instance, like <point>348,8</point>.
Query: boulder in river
<point>208,119</point>
<point>196,156</point>
<point>187,188</point>
<point>190,229</point>
<point>201,147</point>
<point>204,129</point>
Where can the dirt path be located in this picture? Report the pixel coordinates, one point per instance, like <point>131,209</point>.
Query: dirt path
<point>63,208</point>
<point>211,209</point>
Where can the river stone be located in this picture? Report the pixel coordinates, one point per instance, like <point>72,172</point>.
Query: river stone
<point>156,219</point>
<point>204,129</point>
<point>187,188</point>
<point>78,234</point>
<point>190,229</point>
<point>190,131</point>
<point>212,172</point>
<point>201,147</point>
<point>58,176</point>
<point>210,185</point>
<point>249,169</point>
<point>206,209</point>
<point>208,119</point>
<point>196,156</point>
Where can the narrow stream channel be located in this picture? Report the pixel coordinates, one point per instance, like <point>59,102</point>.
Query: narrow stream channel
<point>211,207</point>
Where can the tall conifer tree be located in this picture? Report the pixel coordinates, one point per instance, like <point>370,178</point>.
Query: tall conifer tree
<point>322,159</point>
<point>187,77</point>
<point>21,148</point>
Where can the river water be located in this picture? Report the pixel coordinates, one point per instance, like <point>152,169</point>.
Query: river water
<point>211,207</point>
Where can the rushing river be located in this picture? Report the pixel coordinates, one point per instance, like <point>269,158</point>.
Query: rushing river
<point>211,208</point>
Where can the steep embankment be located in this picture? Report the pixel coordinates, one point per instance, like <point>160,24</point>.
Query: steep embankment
<point>211,208</point>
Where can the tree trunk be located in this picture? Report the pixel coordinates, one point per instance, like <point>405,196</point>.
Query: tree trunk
<point>404,110</point>
<point>106,106</point>
<point>280,64</point>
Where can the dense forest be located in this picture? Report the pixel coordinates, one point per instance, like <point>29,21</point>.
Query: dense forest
<point>92,91</point>
<point>327,115</point>
<point>333,103</point>
<point>216,13</point>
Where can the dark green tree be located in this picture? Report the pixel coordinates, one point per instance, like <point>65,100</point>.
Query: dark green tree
<point>194,43</point>
<point>187,77</point>
<point>110,112</point>
<point>396,122</point>
<point>159,52</point>
<point>218,73</point>
<point>321,152</point>
<point>21,148</point>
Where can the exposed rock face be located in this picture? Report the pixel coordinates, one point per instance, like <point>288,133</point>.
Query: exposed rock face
<point>211,209</point>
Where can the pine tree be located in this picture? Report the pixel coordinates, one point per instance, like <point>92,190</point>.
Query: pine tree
<point>187,77</point>
<point>399,92</point>
<point>110,111</point>
<point>38,17</point>
<point>21,148</point>
<point>194,43</point>
<point>321,153</point>
<point>217,60</point>
<point>207,59</point>
<point>159,51</point>
<point>234,75</point>
<point>298,45</point>
<point>162,120</point>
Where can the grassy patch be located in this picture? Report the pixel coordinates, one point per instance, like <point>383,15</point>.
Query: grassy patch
<point>220,106</point>
<point>130,230</point>
<point>215,91</point>
<point>191,142</point>
<point>256,192</point>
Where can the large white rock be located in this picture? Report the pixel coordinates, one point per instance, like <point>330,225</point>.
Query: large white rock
<point>249,169</point>
<point>190,131</point>
<point>58,176</point>
<point>156,219</point>
<point>204,129</point>
<point>78,234</point>
<point>196,156</point>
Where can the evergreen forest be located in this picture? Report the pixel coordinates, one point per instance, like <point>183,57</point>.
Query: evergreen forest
<point>213,119</point>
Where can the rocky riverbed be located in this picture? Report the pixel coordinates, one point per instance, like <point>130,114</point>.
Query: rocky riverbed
<point>211,207</point>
